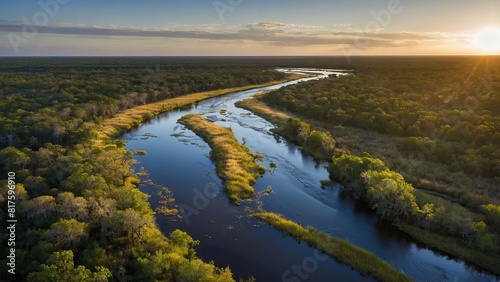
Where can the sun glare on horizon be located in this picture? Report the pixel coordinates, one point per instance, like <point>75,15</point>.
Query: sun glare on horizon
<point>488,40</point>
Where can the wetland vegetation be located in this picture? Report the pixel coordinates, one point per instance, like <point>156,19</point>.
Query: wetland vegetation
<point>235,163</point>
<point>341,250</point>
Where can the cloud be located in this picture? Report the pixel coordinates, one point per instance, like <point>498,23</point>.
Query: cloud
<point>266,26</point>
<point>268,33</point>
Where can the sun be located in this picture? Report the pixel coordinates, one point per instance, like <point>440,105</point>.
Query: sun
<point>488,40</point>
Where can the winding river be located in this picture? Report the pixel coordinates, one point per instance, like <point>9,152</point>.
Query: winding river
<point>178,159</point>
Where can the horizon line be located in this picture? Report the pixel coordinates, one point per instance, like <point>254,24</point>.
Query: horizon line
<point>245,56</point>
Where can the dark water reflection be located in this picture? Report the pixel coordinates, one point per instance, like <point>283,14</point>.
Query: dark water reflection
<point>178,159</point>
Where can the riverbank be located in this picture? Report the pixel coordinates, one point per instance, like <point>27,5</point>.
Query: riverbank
<point>235,163</point>
<point>367,263</point>
<point>127,119</point>
<point>260,108</point>
<point>444,243</point>
<point>319,144</point>
<point>452,246</point>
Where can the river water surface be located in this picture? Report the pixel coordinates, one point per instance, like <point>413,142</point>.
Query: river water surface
<point>178,159</point>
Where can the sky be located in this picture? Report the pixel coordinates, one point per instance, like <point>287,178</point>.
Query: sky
<point>248,27</point>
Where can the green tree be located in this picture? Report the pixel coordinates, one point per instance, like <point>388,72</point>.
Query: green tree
<point>159,266</point>
<point>68,233</point>
<point>60,267</point>
<point>196,270</point>
<point>320,144</point>
<point>101,212</point>
<point>133,224</point>
<point>347,169</point>
<point>297,130</point>
<point>390,195</point>
<point>184,243</point>
<point>40,208</point>
<point>13,159</point>
<point>492,216</point>
<point>70,206</point>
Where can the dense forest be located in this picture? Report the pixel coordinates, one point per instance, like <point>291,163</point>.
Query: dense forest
<point>80,214</point>
<point>416,138</point>
<point>450,109</point>
<point>64,97</point>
